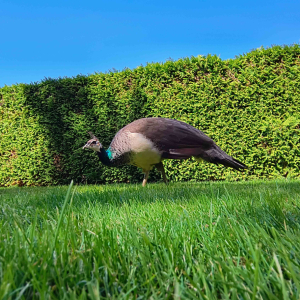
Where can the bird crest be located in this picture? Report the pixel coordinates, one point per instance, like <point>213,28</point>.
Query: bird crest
<point>92,135</point>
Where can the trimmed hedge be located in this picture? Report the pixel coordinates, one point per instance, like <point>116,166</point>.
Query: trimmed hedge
<point>249,105</point>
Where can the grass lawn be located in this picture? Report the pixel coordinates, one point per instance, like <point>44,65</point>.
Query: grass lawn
<point>182,241</point>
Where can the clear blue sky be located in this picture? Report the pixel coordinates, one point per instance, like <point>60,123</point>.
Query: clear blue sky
<point>54,38</point>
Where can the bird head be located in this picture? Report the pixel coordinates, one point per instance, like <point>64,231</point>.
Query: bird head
<point>93,143</point>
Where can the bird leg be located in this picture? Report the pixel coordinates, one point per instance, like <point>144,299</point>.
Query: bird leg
<point>146,174</point>
<point>160,168</point>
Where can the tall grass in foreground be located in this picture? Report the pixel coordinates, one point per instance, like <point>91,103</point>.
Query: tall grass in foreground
<point>182,241</point>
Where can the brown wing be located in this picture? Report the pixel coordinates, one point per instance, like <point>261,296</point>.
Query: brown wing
<point>174,138</point>
<point>178,140</point>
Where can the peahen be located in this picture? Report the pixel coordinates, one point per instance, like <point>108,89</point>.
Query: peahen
<point>146,142</point>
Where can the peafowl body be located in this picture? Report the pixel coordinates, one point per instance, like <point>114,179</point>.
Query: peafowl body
<point>146,142</point>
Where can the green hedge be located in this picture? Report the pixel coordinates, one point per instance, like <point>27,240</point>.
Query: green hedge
<point>249,105</point>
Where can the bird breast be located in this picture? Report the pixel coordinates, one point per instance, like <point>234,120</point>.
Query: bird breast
<point>144,153</point>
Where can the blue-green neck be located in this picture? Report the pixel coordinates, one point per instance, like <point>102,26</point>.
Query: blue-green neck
<point>109,154</point>
<point>113,159</point>
<point>105,157</point>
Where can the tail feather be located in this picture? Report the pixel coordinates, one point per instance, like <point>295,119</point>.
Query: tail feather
<point>230,162</point>
<point>218,156</point>
<point>214,155</point>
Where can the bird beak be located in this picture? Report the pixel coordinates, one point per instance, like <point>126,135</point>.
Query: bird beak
<point>84,147</point>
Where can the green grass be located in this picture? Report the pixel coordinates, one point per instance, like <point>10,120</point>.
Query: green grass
<point>182,241</point>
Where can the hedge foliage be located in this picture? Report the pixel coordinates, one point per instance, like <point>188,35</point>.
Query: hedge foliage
<point>249,105</point>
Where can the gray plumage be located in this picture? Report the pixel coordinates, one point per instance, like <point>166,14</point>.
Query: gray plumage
<point>148,141</point>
